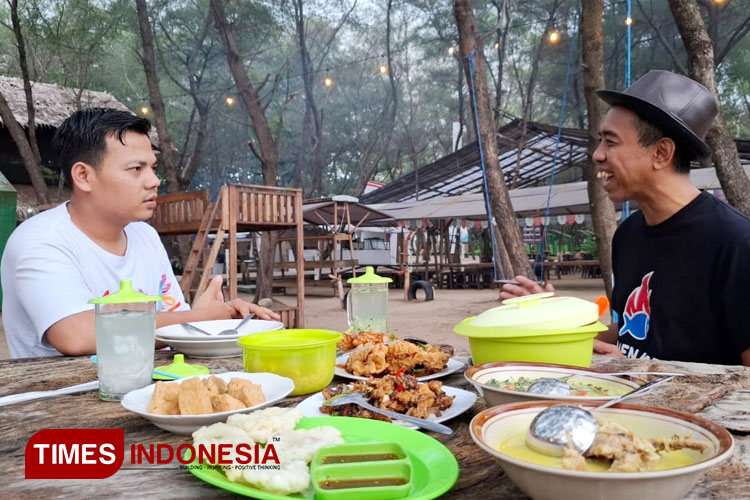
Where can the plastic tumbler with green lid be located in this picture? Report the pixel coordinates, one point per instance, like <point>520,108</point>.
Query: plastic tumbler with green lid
<point>125,330</point>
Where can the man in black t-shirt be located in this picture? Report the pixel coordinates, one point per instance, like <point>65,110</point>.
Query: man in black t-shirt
<point>682,263</point>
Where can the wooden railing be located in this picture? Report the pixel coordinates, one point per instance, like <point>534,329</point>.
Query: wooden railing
<point>265,205</point>
<point>180,213</point>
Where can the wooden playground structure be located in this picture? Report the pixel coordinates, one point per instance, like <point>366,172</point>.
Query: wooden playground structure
<point>238,208</point>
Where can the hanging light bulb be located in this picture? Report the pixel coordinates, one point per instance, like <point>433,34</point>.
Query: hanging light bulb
<point>497,45</point>
<point>229,100</point>
<point>144,110</point>
<point>628,21</point>
<point>451,50</point>
<point>383,69</point>
<point>328,82</point>
<point>554,36</point>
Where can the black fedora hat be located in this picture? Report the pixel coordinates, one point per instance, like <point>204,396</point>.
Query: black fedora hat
<point>680,107</point>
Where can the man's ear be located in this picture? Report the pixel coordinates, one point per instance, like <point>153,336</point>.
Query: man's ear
<point>81,176</point>
<point>664,153</point>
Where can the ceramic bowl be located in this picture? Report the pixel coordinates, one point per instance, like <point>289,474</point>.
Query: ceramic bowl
<point>501,429</point>
<point>480,376</point>
<point>275,388</point>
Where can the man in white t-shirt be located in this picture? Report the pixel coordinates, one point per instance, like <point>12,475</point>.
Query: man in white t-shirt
<point>56,261</point>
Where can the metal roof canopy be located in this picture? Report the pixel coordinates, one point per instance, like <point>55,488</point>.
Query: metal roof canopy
<point>460,172</point>
<point>570,198</point>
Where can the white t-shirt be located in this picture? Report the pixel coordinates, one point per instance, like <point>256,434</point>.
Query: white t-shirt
<point>50,270</point>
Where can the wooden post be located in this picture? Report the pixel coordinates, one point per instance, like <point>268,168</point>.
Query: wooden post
<point>232,264</point>
<point>300,316</point>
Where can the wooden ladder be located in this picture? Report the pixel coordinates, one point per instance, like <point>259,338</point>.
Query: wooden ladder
<point>197,252</point>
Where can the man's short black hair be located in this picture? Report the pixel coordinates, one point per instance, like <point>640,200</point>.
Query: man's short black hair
<point>83,135</point>
<point>648,133</point>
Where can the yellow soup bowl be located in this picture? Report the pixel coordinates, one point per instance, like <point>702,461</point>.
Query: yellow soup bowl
<point>500,432</point>
<point>306,356</point>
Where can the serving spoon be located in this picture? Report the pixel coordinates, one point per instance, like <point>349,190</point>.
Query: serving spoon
<point>552,429</point>
<point>560,387</point>
<point>359,400</point>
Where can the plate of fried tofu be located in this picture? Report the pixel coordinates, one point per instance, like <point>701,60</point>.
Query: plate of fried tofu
<point>184,405</point>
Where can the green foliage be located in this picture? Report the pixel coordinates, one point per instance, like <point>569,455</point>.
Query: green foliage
<point>96,44</point>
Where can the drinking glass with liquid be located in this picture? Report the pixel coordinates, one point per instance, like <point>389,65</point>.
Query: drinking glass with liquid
<point>125,330</point>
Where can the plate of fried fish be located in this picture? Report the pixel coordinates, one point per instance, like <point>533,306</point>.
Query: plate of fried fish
<point>401,393</point>
<point>184,405</point>
<point>422,360</point>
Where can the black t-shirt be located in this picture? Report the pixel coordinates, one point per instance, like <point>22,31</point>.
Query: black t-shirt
<point>682,287</point>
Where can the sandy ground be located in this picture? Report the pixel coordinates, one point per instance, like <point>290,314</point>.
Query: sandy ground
<point>433,320</point>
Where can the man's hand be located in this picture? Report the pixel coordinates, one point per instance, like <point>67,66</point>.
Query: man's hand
<point>243,308</point>
<point>525,287</point>
<point>210,304</point>
<point>601,347</point>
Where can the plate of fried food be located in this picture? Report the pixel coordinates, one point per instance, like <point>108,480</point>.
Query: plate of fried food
<point>401,393</point>
<point>377,355</point>
<point>184,405</point>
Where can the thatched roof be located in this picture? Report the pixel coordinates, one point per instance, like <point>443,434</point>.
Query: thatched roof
<point>52,103</point>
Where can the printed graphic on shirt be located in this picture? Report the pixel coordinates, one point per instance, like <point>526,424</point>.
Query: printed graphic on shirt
<point>637,313</point>
<point>169,303</point>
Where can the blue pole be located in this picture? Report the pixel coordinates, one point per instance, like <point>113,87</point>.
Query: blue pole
<point>487,207</point>
<point>626,205</point>
<point>561,121</point>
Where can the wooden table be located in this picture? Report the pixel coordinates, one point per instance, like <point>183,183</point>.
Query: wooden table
<point>719,393</point>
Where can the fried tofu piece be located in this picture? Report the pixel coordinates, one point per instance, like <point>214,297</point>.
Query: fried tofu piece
<point>247,392</point>
<point>225,402</point>
<point>194,398</point>
<point>215,385</point>
<point>164,399</point>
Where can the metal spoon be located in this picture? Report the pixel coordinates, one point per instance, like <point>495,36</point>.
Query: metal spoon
<point>552,428</point>
<point>560,387</point>
<point>235,330</point>
<point>359,400</point>
<point>189,327</point>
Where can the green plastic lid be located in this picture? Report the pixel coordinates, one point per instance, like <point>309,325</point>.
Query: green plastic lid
<point>369,277</point>
<point>126,295</point>
<point>181,369</point>
<point>538,314</point>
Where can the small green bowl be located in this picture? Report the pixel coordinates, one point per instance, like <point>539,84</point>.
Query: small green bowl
<point>306,356</point>
<point>365,471</point>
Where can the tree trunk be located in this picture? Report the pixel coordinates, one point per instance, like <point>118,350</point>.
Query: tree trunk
<point>503,10</point>
<point>528,104</point>
<point>154,95</point>
<point>379,140</point>
<point>23,62</point>
<point>310,153</point>
<point>497,191</point>
<point>27,155</point>
<point>602,209</point>
<point>699,48</point>
<point>267,149</point>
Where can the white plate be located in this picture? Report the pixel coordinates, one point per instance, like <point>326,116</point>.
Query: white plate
<point>178,332</point>
<point>451,366</point>
<point>211,348</point>
<point>275,388</point>
<point>310,407</point>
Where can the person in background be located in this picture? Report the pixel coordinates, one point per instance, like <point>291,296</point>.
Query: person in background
<point>56,261</point>
<point>682,262</point>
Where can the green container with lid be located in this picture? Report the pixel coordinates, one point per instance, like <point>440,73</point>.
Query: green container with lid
<point>538,328</point>
<point>8,199</point>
